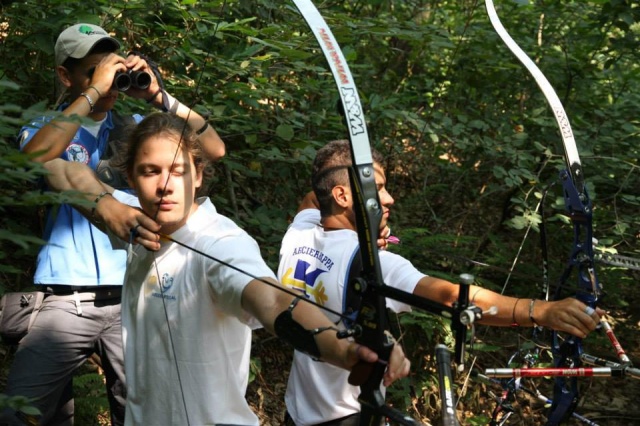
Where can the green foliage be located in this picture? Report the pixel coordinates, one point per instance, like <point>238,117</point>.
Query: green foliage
<point>469,141</point>
<point>255,368</point>
<point>21,197</point>
<point>18,403</point>
<point>89,397</point>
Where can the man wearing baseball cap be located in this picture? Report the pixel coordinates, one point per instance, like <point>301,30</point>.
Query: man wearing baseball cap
<point>78,40</point>
<point>78,270</point>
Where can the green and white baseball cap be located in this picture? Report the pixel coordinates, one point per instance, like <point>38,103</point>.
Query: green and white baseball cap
<point>78,40</point>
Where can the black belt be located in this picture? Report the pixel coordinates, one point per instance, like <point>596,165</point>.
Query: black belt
<point>97,292</point>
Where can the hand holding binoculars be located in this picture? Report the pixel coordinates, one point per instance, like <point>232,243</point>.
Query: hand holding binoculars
<point>123,81</point>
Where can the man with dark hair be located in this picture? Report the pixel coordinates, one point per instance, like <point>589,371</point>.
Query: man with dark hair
<point>315,259</point>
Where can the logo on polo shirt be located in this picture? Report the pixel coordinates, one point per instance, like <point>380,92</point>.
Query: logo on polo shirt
<point>77,152</point>
<point>166,284</point>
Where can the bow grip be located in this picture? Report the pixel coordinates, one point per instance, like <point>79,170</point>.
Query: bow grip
<point>369,377</point>
<point>371,371</point>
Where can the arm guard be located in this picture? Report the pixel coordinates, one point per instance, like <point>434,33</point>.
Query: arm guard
<point>293,333</point>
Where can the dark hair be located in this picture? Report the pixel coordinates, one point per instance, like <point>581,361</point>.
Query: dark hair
<point>103,46</point>
<point>157,124</point>
<point>330,168</point>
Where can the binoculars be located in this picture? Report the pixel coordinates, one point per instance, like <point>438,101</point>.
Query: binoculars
<point>125,80</point>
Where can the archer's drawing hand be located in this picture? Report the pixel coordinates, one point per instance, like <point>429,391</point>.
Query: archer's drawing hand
<point>382,238</point>
<point>385,238</point>
<point>126,221</point>
<point>569,315</point>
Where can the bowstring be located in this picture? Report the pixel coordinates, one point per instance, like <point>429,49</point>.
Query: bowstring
<point>341,315</point>
<point>168,238</point>
<point>155,216</point>
<point>511,272</point>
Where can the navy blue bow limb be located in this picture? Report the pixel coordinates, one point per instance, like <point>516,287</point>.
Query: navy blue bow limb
<point>578,206</point>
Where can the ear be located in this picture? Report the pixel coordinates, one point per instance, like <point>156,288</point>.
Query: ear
<point>64,76</point>
<point>199,176</point>
<point>341,196</point>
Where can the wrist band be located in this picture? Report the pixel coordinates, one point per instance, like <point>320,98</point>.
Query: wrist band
<point>533,302</point>
<point>202,129</point>
<point>168,105</point>
<point>95,202</point>
<point>514,323</point>
<point>88,98</point>
<point>97,91</point>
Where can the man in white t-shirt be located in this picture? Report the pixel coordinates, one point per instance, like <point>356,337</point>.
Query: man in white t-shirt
<point>315,258</point>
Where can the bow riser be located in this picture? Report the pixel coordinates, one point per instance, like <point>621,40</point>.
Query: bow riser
<point>579,209</point>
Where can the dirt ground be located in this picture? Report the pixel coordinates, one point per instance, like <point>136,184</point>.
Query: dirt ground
<point>606,401</point>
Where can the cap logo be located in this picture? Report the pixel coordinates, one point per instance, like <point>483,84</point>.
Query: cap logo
<point>87,30</point>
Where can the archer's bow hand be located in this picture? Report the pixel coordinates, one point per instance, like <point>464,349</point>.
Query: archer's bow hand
<point>567,315</point>
<point>362,360</point>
